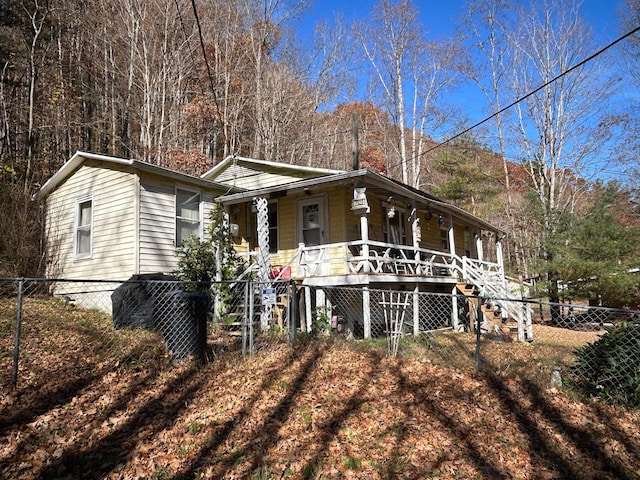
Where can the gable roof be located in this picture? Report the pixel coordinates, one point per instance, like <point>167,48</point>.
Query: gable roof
<point>375,183</point>
<point>76,161</point>
<point>251,174</point>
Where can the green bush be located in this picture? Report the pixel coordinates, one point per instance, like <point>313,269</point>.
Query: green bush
<point>609,368</point>
<point>197,258</point>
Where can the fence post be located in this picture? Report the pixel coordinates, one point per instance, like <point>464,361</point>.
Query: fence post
<point>16,339</point>
<point>245,314</point>
<point>252,288</point>
<point>478,323</point>
<point>292,312</point>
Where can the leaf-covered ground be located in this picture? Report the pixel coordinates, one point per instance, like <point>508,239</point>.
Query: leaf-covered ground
<point>92,402</point>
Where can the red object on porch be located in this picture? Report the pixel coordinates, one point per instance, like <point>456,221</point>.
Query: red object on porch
<point>286,272</point>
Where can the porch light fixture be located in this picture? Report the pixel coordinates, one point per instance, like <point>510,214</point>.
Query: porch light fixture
<point>391,211</point>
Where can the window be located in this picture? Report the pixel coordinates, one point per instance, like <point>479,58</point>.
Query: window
<point>83,227</point>
<point>444,239</point>
<point>393,226</point>
<point>188,215</point>
<point>311,228</point>
<point>273,227</point>
<point>467,243</point>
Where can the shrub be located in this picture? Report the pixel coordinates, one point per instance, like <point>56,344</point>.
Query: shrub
<point>609,368</point>
<point>200,260</point>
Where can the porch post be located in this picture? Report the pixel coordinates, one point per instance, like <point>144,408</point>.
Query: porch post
<point>499,259</point>
<point>417,236</point>
<point>364,234</point>
<point>452,237</point>
<point>359,205</point>
<point>416,311</point>
<point>264,265</point>
<point>503,279</point>
<point>454,290</point>
<point>454,310</point>
<point>308,319</point>
<point>479,251</point>
<point>366,311</point>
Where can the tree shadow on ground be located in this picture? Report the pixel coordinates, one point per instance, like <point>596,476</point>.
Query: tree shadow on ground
<point>268,430</point>
<point>37,401</point>
<point>115,449</point>
<point>550,444</point>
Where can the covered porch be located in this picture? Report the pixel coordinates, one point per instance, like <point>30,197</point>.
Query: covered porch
<point>361,229</point>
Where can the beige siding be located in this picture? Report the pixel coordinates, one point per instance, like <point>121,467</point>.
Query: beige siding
<point>430,233</point>
<point>157,223</point>
<point>253,178</point>
<point>113,230</point>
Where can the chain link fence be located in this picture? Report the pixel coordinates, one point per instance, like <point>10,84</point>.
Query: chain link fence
<point>148,318</point>
<point>48,325</point>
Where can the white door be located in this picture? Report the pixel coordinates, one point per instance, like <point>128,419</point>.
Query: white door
<point>312,231</point>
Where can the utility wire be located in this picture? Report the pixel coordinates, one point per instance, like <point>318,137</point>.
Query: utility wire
<point>186,38</point>
<point>206,61</point>
<point>533,92</point>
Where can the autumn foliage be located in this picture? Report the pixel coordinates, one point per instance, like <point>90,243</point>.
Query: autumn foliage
<point>93,402</point>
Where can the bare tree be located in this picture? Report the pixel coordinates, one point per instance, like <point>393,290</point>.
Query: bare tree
<point>412,74</point>
<point>630,20</point>
<point>37,15</point>
<point>558,130</point>
<point>265,21</point>
<point>488,63</point>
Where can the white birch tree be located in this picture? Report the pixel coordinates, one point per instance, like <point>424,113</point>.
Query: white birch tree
<point>411,75</point>
<point>559,129</point>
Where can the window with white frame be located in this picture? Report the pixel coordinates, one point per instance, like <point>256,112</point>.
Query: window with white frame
<point>83,227</point>
<point>188,215</point>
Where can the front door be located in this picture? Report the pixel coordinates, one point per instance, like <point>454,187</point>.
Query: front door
<point>312,231</point>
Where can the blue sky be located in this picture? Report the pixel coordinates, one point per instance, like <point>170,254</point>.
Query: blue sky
<point>439,16</point>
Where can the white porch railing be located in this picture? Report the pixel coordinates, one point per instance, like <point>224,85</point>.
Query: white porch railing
<point>382,258</point>
<point>490,279</point>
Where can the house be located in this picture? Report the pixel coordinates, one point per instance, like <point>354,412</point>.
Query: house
<point>361,229</point>
<point>110,218</point>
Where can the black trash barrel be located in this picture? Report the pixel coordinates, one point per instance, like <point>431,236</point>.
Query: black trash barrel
<point>184,323</point>
<point>134,301</point>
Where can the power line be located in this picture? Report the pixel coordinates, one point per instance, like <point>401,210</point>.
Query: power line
<point>186,38</point>
<point>532,92</point>
<point>206,61</point>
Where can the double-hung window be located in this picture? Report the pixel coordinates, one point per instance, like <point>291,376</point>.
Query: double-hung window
<point>83,227</point>
<point>188,215</point>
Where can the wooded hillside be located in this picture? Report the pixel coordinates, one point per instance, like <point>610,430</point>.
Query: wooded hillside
<point>183,84</point>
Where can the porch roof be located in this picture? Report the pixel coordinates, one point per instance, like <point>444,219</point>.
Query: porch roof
<point>375,183</point>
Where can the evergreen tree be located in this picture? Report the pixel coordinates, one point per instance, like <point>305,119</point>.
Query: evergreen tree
<point>596,256</point>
